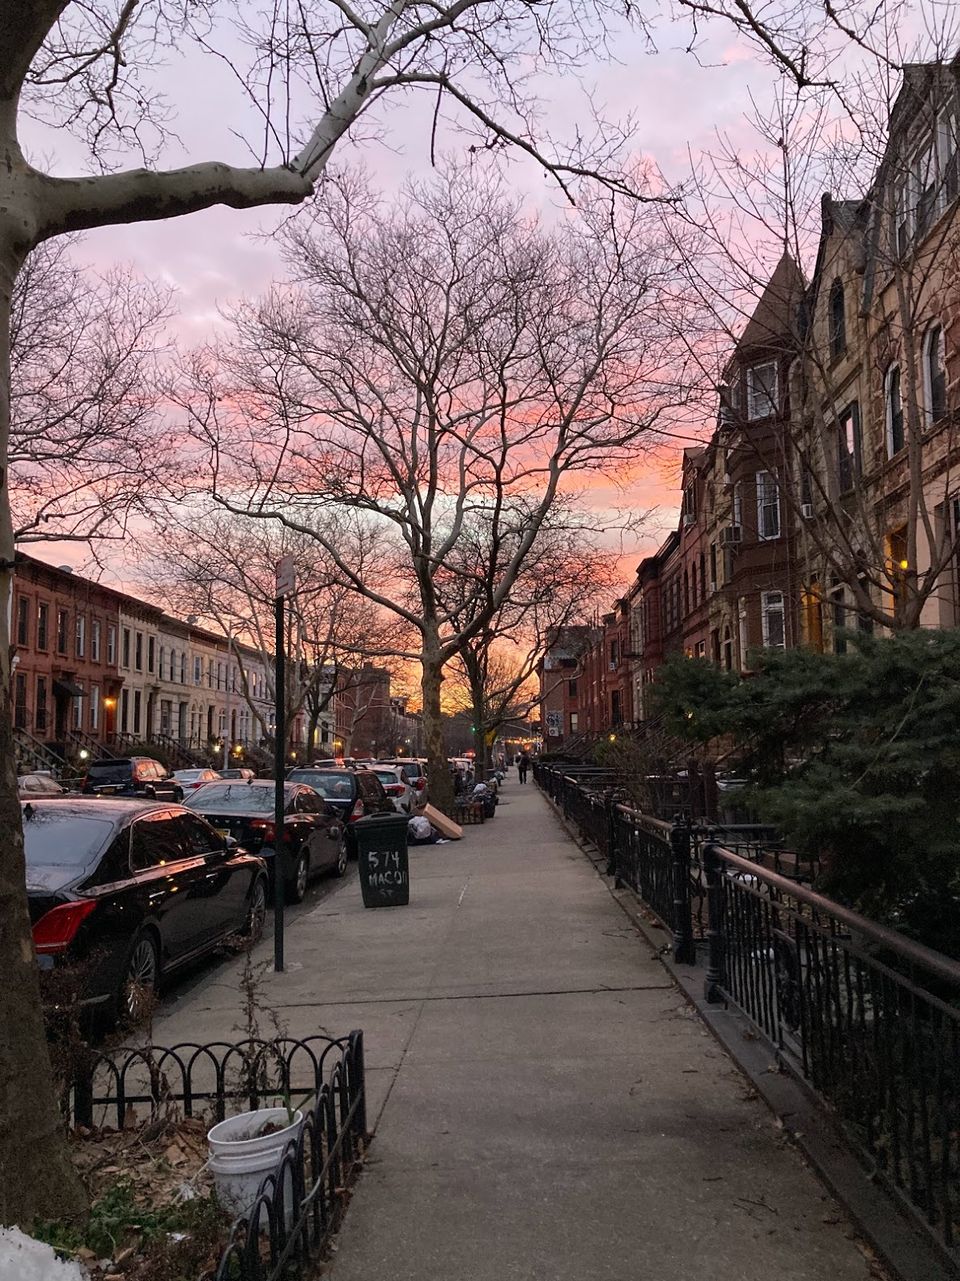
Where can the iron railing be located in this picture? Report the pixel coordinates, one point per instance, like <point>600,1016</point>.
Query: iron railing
<point>869,1017</point>
<point>865,1016</point>
<point>300,1203</point>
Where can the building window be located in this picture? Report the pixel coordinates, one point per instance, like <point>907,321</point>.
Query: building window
<point>197,670</point>
<point>838,320</point>
<point>94,707</point>
<point>902,219</point>
<point>183,668</point>
<point>762,390</point>
<point>78,713</point>
<point>124,710</point>
<point>701,650</point>
<point>221,676</point>
<point>151,653</point>
<point>771,613</point>
<point>138,652</point>
<point>934,374</point>
<point>737,504</point>
<point>894,402</point>
<point>111,644</point>
<point>95,640</point>
<point>41,716</point>
<point>848,448</point>
<point>81,637</point>
<point>137,708</point>
<point>727,649</point>
<point>162,665</point>
<point>690,504</point>
<point>768,506</point>
<point>20,701</point>
<point>63,626</point>
<point>125,659</point>
<point>572,688</point>
<point>43,622</point>
<point>744,628</point>
<point>23,620</point>
<point>713,567</point>
<point>574,722</point>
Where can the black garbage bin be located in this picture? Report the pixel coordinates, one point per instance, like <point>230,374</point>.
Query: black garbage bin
<point>382,860</point>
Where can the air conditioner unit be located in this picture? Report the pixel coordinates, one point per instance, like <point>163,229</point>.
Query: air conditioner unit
<point>689,518</point>
<point>806,511</point>
<point>730,536</point>
<point>613,665</point>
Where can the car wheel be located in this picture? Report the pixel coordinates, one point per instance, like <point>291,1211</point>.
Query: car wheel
<point>257,912</point>
<point>141,977</point>
<point>297,884</point>
<point>343,857</point>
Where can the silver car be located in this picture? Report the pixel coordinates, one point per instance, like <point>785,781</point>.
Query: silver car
<point>396,787</point>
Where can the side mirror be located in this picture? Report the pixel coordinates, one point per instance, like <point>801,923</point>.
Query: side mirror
<point>230,843</point>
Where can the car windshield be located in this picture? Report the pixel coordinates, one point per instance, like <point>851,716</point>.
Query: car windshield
<point>335,785</point>
<point>233,798</point>
<point>109,771</point>
<point>386,775</point>
<point>63,838</point>
<point>188,775</point>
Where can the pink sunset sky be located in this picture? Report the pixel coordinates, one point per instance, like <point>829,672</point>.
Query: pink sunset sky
<point>678,102</point>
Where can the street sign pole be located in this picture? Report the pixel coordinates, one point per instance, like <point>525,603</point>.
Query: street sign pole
<point>286,586</point>
<point>279,763</point>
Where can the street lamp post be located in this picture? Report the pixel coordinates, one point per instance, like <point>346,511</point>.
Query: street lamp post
<point>227,736</point>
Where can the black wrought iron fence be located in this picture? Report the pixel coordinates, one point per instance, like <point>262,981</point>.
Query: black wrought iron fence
<point>299,1203</point>
<point>869,1017</point>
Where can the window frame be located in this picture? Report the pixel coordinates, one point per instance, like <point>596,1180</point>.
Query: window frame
<point>772,398</point>
<point>846,459</point>
<point>890,379</point>
<point>767,609</point>
<point>764,504</point>
<point>837,318</point>
<point>934,413</point>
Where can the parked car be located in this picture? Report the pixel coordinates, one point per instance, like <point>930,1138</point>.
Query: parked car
<point>414,772</point>
<point>354,793</point>
<point>313,835</point>
<point>131,776</point>
<point>190,779</point>
<point>239,771</point>
<point>396,787</point>
<point>136,889</point>
<point>38,784</point>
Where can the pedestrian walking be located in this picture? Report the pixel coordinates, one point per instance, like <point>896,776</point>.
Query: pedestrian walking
<point>523,764</point>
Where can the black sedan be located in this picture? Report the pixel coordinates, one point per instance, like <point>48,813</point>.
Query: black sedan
<point>352,793</point>
<point>126,891</point>
<point>313,831</point>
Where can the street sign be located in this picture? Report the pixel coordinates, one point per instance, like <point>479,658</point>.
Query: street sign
<point>286,576</point>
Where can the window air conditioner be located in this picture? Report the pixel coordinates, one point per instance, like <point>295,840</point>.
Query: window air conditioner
<point>806,511</point>
<point>689,518</point>
<point>730,536</point>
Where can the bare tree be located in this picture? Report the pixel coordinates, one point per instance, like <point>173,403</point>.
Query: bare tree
<point>565,576</point>
<point>223,567</point>
<point>87,447</point>
<point>446,364</point>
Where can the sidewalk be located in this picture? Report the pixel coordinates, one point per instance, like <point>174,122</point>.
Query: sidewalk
<point>546,1107</point>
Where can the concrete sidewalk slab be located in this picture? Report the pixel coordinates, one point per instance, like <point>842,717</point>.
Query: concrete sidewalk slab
<point>546,1105</point>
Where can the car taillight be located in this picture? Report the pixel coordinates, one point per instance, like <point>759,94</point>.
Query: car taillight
<point>357,811</point>
<point>57,929</point>
<point>267,831</point>
<point>393,789</point>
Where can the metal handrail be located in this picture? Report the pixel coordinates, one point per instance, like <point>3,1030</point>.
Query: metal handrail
<point>934,962</point>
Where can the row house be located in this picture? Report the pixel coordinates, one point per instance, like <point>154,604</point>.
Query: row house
<point>561,683</point>
<point>94,668</point>
<point>827,498</point>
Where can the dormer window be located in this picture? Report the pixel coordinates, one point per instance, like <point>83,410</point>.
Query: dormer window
<point>838,320</point>
<point>762,398</point>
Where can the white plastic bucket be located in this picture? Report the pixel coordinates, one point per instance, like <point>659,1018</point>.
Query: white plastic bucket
<point>239,1164</point>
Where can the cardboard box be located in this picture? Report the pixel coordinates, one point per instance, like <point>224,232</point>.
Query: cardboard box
<point>445,826</point>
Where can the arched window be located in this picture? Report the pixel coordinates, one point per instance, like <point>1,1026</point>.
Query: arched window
<point>934,374</point>
<point>894,403</point>
<point>838,320</point>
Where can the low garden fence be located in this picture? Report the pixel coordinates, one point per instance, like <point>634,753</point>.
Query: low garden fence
<point>300,1202</point>
<point>865,1016</point>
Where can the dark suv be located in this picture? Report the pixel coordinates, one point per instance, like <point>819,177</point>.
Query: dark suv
<point>354,792</point>
<point>131,776</point>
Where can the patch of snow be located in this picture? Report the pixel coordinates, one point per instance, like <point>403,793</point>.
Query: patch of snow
<point>29,1260</point>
